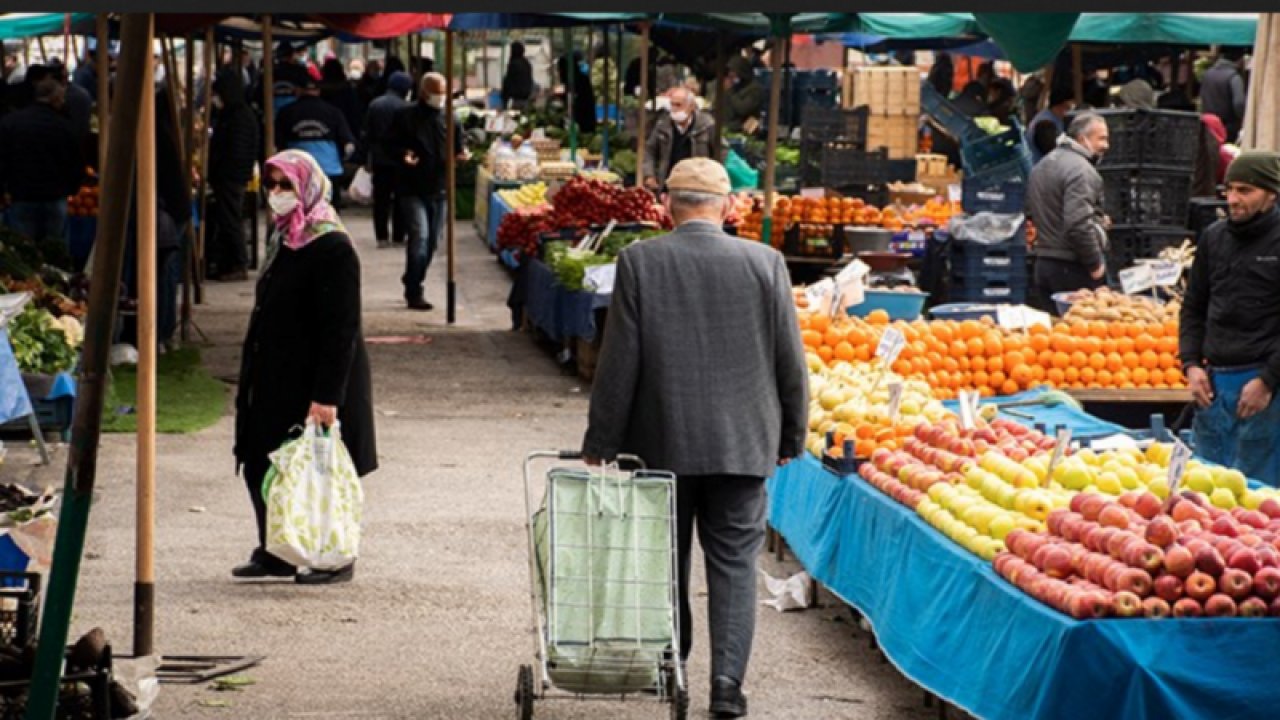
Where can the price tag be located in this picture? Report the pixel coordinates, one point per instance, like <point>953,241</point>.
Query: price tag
<point>599,278</point>
<point>1021,317</point>
<point>493,124</point>
<point>1167,274</point>
<point>837,303</point>
<point>1178,465</point>
<point>855,270</point>
<point>815,193</point>
<point>891,344</point>
<point>895,399</point>
<point>1136,279</point>
<point>819,293</point>
<point>1059,448</point>
<point>955,193</point>
<point>966,410</point>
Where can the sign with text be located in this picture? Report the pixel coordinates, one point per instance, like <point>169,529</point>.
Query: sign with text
<point>895,399</point>
<point>1136,279</point>
<point>1059,448</point>
<point>891,344</point>
<point>1178,465</point>
<point>1166,273</point>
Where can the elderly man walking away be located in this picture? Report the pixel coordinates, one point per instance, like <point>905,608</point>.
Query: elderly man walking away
<point>702,373</point>
<point>1064,200</point>
<point>678,135</point>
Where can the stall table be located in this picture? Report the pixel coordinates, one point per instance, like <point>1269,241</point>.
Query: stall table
<point>952,625</point>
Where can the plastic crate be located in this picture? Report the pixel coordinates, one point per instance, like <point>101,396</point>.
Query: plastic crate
<point>823,124</point>
<point>1146,196</point>
<point>981,156</point>
<point>81,695</point>
<point>19,608</point>
<point>54,415</point>
<point>952,121</point>
<point>970,258</point>
<point>1203,212</point>
<point>1004,195</point>
<point>961,311</point>
<point>1152,138</point>
<point>900,305</point>
<point>1128,244</point>
<point>1014,275</point>
<point>997,291</point>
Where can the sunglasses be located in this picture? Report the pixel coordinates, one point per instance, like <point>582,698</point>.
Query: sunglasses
<point>270,184</point>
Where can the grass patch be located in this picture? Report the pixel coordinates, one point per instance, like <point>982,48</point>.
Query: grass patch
<point>188,398</point>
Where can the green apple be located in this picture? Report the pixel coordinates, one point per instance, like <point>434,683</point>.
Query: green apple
<point>1129,479</point>
<point>1199,479</point>
<point>1223,498</point>
<point>1000,525</point>
<point>1109,483</point>
<point>1252,499</point>
<point>1232,480</point>
<point>1159,487</point>
<point>1073,475</point>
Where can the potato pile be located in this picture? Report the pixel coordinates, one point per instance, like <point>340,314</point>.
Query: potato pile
<point>1107,305</point>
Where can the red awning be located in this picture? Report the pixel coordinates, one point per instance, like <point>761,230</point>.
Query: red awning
<point>381,26</point>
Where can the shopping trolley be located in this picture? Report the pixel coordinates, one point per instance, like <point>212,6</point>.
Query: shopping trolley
<point>603,584</point>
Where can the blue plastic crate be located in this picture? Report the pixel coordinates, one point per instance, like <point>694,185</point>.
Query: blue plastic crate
<point>974,258</point>
<point>955,123</point>
<point>899,305</point>
<point>1003,191</point>
<point>960,311</point>
<point>1014,274</point>
<point>994,292</point>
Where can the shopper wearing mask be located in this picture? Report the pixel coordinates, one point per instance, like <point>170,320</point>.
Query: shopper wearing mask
<point>1064,200</point>
<point>418,140</point>
<point>304,356</point>
<point>1230,321</point>
<point>678,135</point>
<point>320,129</point>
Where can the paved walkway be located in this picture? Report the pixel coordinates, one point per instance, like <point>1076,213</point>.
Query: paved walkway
<point>438,618</point>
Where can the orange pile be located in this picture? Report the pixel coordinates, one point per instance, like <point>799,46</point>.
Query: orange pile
<point>825,213</point>
<point>977,355</point>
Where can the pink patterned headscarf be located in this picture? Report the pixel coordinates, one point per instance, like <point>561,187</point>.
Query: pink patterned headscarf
<point>313,216</point>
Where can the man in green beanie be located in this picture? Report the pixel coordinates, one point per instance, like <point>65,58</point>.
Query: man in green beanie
<point>1229,340</point>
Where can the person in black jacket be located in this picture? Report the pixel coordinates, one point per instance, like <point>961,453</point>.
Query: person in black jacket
<point>41,163</point>
<point>338,92</point>
<point>1230,321</point>
<point>304,356</point>
<point>233,150</point>
<point>320,129</point>
<point>584,96</point>
<point>383,162</point>
<point>418,141</point>
<point>517,84</point>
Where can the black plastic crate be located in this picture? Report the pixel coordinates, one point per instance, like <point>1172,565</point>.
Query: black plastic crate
<point>1005,194</point>
<point>81,695</point>
<point>1128,244</point>
<point>1152,138</point>
<point>981,156</point>
<point>975,259</point>
<point>846,164</point>
<point>1203,212</point>
<point>54,415</point>
<point>821,124</point>
<point>1013,274</point>
<point>1146,196</point>
<point>955,123</point>
<point>19,607</point>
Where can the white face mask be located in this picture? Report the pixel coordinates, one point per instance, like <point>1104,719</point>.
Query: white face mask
<point>436,101</point>
<point>282,203</point>
<point>680,117</point>
<point>355,75</point>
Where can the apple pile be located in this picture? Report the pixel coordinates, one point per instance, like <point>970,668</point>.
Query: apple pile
<point>1136,556</point>
<point>848,396</point>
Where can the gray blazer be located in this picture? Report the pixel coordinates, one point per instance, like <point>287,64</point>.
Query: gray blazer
<point>702,371</point>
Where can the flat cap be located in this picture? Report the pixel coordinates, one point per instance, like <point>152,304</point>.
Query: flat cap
<point>702,175</point>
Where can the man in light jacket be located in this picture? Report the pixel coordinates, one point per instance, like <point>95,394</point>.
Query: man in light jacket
<point>702,373</point>
<point>680,134</point>
<point>1064,200</point>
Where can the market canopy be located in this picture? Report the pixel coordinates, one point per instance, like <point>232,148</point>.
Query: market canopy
<point>15,26</point>
<point>1186,29</point>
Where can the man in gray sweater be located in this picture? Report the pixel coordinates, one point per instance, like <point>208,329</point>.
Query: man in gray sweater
<point>702,373</point>
<point>1064,200</point>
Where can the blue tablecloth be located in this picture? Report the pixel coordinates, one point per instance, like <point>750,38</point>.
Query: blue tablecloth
<point>559,313</point>
<point>498,208</point>
<point>14,402</point>
<point>1083,425</point>
<point>950,623</point>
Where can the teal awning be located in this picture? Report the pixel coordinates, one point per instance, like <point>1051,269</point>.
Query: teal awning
<point>15,26</point>
<point>918,26</point>
<point>1186,29</point>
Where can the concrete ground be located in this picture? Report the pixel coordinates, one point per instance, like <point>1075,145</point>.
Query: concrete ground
<point>438,618</point>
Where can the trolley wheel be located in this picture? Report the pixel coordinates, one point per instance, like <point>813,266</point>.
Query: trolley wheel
<point>524,693</point>
<point>680,704</point>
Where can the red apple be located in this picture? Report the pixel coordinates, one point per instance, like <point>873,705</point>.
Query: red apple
<point>1270,507</point>
<point>1111,575</point>
<point>1253,607</point>
<point>1148,505</point>
<point>1179,561</point>
<point>1210,562</point>
<point>1135,581</point>
<point>1144,555</point>
<point>1199,586</point>
<point>1154,607</point>
<point>1253,519</point>
<point>1246,560</point>
<point>1117,542</point>
<point>1225,527</point>
<point>1236,584</point>
<point>1129,499</point>
<point>1266,583</point>
<point>1127,604</point>
<point>1053,523</point>
<point>1168,587</point>
<point>1114,516</point>
<point>1161,532</point>
<point>1057,562</point>
<point>1220,605</point>
<point>1186,607</point>
<point>1091,507</point>
<point>1077,503</point>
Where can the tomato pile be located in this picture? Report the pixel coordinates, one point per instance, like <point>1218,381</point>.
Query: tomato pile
<point>582,202</point>
<point>520,229</point>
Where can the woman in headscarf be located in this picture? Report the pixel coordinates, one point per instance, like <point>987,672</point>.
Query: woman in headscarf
<point>304,357</point>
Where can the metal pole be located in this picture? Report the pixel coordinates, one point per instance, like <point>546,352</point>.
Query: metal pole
<point>144,588</point>
<point>775,96</point>
<point>103,60</point>
<point>189,270</point>
<point>206,115</point>
<point>721,59</point>
<point>606,82</point>
<point>451,174</point>
<point>82,461</point>
<point>642,123</point>
<point>570,80</point>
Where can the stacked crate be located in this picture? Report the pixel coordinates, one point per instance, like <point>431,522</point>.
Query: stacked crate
<point>990,273</point>
<point>1146,177</point>
<point>892,98</point>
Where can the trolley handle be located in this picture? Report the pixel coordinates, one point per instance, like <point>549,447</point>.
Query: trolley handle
<point>621,459</point>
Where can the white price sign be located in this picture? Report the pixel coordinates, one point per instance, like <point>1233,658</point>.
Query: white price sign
<point>1166,273</point>
<point>1178,465</point>
<point>891,344</point>
<point>819,295</point>
<point>967,413</point>
<point>1059,448</point>
<point>1136,279</point>
<point>895,399</point>
<point>815,193</point>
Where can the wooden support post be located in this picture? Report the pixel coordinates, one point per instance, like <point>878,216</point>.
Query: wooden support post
<point>642,131</point>
<point>206,115</point>
<point>144,587</point>
<point>451,299</point>
<point>103,60</point>
<point>771,148</point>
<point>189,259</point>
<point>82,461</point>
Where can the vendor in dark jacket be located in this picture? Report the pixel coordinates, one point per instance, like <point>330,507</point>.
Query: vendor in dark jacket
<point>383,162</point>
<point>1229,335</point>
<point>517,84</point>
<point>304,356</point>
<point>313,125</point>
<point>1064,200</point>
<point>233,150</point>
<point>41,163</point>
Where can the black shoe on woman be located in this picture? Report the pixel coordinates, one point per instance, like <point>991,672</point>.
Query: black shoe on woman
<point>326,577</point>
<point>263,564</point>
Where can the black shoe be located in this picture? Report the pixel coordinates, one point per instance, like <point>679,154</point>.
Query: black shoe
<point>326,577</point>
<point>263,565</point>
<point>727,700</point>
<point>420,304</point>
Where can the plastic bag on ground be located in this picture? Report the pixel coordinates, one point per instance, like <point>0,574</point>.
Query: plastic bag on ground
<point>789,594</point>
<point>314,502</point>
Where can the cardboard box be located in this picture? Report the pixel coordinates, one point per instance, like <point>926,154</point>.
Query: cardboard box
<point>884,90</point>
<point>898,133</point>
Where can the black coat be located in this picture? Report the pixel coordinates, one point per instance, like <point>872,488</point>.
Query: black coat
<point>233,149</point>
<point>305,345</point>
<point>518,82</point>
<point>422,129</point>
<point>41,158</point>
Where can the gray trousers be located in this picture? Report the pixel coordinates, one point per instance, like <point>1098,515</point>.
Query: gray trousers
<point>728,511</point>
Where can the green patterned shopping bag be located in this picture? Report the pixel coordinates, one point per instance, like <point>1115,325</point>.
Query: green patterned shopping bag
<point>314,500</point>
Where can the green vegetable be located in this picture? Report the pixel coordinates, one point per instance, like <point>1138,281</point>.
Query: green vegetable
<point>39,344</point>
<point>623,162</point>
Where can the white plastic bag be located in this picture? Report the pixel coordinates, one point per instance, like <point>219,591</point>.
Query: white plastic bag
<point>361,188</point>
<point>314,502</point>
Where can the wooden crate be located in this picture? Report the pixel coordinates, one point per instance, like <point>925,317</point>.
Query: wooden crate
<point>481,212</point>
<point>931,165</point>
<point>885,90</point>
<point>898,133</point>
